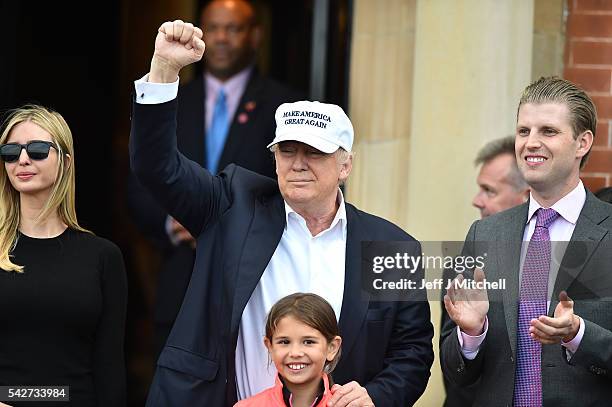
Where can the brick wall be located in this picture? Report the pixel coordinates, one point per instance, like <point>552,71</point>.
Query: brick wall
<point>588,62</point>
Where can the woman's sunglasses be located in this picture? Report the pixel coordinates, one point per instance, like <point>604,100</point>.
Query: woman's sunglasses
<point>36,149</point>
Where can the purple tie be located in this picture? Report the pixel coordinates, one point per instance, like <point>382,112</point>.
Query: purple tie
<point>532,304</point>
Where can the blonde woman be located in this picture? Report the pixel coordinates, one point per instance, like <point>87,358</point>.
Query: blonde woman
<point>62,289</point>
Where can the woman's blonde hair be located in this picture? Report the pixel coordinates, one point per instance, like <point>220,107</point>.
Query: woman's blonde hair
<point>62,197</point>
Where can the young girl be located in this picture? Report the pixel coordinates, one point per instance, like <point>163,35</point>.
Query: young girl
<point>303,342</point>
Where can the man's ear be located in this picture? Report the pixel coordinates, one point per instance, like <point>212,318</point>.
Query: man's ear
<point>346,168</point>
<point>585,142</point>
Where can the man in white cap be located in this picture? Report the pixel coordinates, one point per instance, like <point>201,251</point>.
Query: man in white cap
<point>258,240</point>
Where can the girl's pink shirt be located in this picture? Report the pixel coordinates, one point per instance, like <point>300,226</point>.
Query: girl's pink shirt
<point>273,397</point>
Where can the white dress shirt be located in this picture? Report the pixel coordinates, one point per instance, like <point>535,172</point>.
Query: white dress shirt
<point>149,93</point>
<point>560,232</point>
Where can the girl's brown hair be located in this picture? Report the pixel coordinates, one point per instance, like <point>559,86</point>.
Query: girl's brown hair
<point>311,310</point>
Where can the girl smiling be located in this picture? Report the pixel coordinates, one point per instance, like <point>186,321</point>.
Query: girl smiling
<point>303,342</point>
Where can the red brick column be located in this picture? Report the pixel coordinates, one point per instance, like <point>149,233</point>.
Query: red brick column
<point>588,62</point>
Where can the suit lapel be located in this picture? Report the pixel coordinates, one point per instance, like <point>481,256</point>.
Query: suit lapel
<point>263,237</point>
<point>354,300</point>
<point>510,239</point>
<point>587,230</point>
<point>245,115</point>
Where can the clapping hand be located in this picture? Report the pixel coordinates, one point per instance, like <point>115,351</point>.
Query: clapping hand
<point>467,306</point>
<point>562,327</point>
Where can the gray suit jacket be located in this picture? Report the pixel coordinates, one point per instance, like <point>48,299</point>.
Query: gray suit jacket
<point>585,273</point>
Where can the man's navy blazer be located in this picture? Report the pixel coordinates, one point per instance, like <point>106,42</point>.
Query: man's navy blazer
<point>238,218</point>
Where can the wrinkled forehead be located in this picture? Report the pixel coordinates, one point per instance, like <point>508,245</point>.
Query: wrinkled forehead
<point>497,169</point>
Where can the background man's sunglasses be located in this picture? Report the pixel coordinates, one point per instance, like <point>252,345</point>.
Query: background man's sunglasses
<point>36,149</point>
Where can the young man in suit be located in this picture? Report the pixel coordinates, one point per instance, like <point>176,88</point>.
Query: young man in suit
<point>259,239</point>
<point>544,339</point>
<point>225,116</point>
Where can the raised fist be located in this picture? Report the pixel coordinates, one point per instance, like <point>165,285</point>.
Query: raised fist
<point>177,44</point>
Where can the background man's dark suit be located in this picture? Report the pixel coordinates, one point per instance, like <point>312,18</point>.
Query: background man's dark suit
<point>238,218</point>
<point>245,146</point>
<point>584,274</point>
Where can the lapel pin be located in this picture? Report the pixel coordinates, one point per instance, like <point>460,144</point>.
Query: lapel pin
<point>243,118</point>
<point>250,106</point>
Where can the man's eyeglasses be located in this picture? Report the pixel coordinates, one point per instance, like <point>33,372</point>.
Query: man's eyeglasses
<point>36,149</point>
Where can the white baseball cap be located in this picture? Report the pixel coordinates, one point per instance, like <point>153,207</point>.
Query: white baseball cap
<point>321,125</point>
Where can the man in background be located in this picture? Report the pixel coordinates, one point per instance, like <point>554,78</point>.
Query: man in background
<point>501,185</point>
<point>225,116</point>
